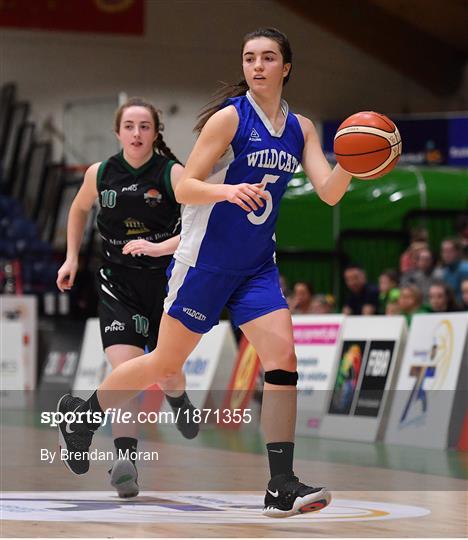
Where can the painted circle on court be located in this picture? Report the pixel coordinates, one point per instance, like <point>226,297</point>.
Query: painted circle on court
<point>182,507</point>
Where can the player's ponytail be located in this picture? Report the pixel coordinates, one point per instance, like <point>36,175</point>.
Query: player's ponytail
<point>226,91</point>
<point>234,90</point>
<point>161,147</point>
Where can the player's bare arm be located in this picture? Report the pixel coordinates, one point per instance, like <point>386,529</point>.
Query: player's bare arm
<point>214,139</point>
<point>330,184</point>
<point>77,217</point>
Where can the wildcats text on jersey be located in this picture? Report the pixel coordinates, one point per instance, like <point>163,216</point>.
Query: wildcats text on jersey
<point>220,237</point>
<point>272,159</point>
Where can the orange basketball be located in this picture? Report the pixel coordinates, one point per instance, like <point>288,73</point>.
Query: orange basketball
<point>367,145</point>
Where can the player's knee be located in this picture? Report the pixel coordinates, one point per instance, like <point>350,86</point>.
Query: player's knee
<point>156,369</point>
<point>171,378</point>
<point>285,360</point>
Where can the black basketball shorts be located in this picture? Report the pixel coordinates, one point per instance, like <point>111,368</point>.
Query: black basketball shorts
<point>130,305</point>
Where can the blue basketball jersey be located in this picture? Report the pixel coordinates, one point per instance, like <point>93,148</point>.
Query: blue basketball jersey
<point>222,237</point>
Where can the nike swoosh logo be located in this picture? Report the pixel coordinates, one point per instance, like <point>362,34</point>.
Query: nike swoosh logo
<point>67,425</point>
<point>273,494</point>
<point>276,451</point>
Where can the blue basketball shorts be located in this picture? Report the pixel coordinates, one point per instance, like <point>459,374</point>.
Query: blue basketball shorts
<point>197,297</point>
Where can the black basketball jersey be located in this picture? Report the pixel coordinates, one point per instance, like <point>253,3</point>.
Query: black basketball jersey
<point>136,204</point>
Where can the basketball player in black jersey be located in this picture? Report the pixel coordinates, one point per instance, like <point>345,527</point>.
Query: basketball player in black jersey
<point>139,223</point>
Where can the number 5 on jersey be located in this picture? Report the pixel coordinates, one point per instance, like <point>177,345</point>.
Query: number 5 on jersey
<point>258,220</point>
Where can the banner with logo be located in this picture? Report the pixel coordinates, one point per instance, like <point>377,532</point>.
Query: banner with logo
<point>99,16</point>
<point>11,356</point>
<point>316,340</point>
<point>12,375</point>
<point>61,342</point>
<point>93,366</point>
<point>430,399</point>
<point>367,365</point>
<point>23,308</point>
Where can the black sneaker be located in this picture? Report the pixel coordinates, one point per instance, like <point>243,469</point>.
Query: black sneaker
<point>75,442</point>
<point>286,496</point>
<point>123,477</point>
<point>184,418</point>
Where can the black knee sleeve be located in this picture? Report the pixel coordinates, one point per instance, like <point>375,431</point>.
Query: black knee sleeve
<point>281,377</point>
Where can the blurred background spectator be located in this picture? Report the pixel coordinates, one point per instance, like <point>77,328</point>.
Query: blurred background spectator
<point>388,289</point>
<point>301,298</point>
<point>441,297</point>
<point>453,269</point>
<point>462,236</point>
<point>393,308</point>
<point>322,304</point>
<point>419,240</point>
<point>411,302</point>
<point>421,275</point>
<point>362,298</point>
<point>464,290</point>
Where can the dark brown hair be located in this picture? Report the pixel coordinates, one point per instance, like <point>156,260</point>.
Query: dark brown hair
<point>159,145</point>
<point>239,89</point>
<point>448,292</point>
<point>391,274</point>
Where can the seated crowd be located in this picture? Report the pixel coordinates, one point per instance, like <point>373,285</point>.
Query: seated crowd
<point>420,286</point>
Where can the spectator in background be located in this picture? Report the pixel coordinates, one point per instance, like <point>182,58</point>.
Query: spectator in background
<point>322,304</point>
<point>453,269</point>
<point>462,236</point>
<point>441,297</point>
<point>411,302</point>
<point>419,240</point>
<point>301,298</point>
<point>421,276</point>
<point>388,289</point>
<point>393,308</point>
<point>362,297</point>
<point>464,295</point>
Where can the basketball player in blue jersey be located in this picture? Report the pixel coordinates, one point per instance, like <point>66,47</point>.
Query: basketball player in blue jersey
<point>248,148</point>
<point>139,224</point>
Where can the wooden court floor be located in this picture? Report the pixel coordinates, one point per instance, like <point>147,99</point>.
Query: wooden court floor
<point>369,503</point>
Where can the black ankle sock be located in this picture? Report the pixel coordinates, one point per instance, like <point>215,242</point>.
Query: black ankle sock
<point>280,457</point>
<point>176,401</point>
<point>125,446</point>
<point>91,421</point>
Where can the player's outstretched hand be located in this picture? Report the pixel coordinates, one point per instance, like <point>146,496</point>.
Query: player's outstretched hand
<point>247,196</point>
<point>66,275</point>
